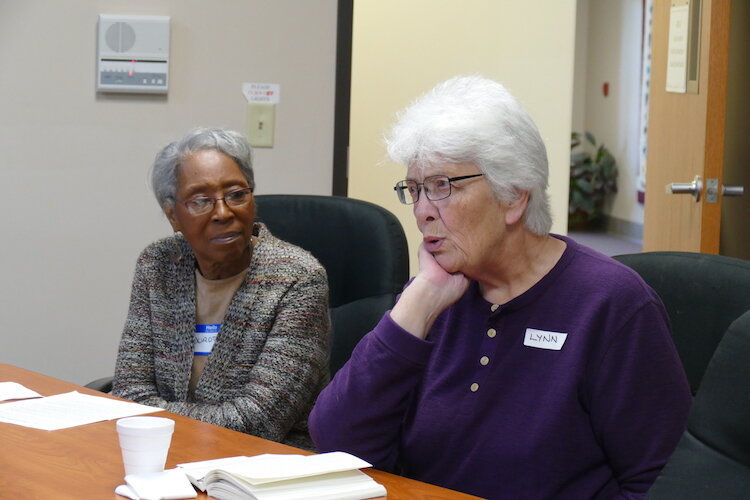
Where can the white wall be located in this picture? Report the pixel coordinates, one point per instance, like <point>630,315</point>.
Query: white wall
<point>613,31</point>
<point>74,164</point>
<point>580,72</point>
<point>402,49</point>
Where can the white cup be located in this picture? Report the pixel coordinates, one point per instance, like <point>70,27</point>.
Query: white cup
<point>144,442</point>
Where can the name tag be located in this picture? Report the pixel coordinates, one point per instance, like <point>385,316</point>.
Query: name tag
<point>205,336</point>
<point>544,340</point>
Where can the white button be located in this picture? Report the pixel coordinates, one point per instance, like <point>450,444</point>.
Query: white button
<point>474,387</point>
<point>484,360</point>
<point>491,333</point>
<point>494,307</point>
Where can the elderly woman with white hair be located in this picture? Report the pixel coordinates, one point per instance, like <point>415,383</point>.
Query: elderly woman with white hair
<point>516,363</point>
<point>227,324</point>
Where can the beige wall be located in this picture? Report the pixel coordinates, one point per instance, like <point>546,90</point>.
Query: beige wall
<point>73,164</point>
<point>581,66</point>
<point>612,52</point>
<point>403,48</point>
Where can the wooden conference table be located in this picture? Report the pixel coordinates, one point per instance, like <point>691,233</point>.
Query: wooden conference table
<point>84,462</point>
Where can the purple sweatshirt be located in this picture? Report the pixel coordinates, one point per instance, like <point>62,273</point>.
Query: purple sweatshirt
<point>572,390</point>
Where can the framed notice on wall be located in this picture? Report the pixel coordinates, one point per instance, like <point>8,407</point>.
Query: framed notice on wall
<point>684,45</point>
<point>679,17</point>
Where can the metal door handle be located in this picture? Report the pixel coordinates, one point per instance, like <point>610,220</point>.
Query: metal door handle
<point>732,190</point>
<point>693,188</point>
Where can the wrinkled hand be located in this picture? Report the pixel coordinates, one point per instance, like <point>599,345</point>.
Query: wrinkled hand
<point>448,288</point>
<point>429,294</point>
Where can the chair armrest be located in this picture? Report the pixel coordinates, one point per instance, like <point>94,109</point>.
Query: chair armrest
<point>103,384</point>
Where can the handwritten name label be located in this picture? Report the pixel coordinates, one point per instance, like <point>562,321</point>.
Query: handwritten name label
<point>544,340</point>
<point>205,337</point>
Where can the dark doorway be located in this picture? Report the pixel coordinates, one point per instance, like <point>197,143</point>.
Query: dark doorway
<point>342,101</point>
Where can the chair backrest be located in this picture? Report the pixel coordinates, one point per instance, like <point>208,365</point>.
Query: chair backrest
<point>702,293</point>
<point>712,460</point>
<point>362,247</point>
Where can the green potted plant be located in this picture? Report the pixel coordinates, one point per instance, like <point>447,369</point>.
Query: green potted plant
<point>593,179</point>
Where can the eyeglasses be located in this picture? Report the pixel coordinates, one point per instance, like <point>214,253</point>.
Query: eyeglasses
<point>204,204</point>
<point>436,187</point>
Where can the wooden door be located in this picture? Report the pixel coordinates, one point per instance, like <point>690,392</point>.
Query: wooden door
<point>686,137</point>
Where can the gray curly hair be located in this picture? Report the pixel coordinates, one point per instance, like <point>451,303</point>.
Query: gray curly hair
<point>167,161</point>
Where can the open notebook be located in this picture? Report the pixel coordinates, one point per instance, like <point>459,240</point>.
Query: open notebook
<point>329,476</point>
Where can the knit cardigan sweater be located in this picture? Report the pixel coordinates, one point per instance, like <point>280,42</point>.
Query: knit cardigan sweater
<point>270,358</point>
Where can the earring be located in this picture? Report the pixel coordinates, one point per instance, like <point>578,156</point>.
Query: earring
<point>177,249</point>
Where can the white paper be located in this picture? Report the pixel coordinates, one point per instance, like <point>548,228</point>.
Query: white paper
<point>196,471</point>
<point>68,410</point>
<point>344,485</point>
<point>167,485</point>
<point>14,390</point>
<point>268,468</point>
<point>679,18</point>
<point>124,491</point>
<point>281,467</point>
<point>262,92</point>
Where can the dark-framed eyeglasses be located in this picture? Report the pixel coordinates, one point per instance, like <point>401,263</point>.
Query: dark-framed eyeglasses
<point>203,204</point>
<point>436,187</point>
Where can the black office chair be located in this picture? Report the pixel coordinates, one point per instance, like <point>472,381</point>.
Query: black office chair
<point>361,245</point>
<point>702,293</point>
<point>712,459</point>
<point>103,384</point>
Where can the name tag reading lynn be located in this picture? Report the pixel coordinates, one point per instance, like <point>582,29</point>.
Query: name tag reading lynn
<point>544,340</point>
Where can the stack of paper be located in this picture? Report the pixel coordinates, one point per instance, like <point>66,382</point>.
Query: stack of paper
<point>69,410</point>
<point>329,476</point>
<point>14,390</point>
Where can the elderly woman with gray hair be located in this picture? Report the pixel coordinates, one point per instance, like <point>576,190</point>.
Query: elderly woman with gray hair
<point>517,363</point>
<point>227,324</point>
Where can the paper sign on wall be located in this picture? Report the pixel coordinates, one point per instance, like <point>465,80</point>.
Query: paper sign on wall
<point>677,55</point>
<point>262,92</point>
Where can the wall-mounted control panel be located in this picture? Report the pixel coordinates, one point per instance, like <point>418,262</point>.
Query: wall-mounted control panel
<point>133,54</point>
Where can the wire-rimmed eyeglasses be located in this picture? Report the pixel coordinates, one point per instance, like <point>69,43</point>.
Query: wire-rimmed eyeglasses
<point>436,187</point>
<point>203,204</point>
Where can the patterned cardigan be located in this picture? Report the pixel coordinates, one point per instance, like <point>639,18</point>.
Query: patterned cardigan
<point>269,361</point>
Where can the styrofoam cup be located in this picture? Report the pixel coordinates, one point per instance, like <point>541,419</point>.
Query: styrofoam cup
<point>144,442</point>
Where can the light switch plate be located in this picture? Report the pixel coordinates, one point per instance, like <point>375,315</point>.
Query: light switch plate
<point>260,124</point>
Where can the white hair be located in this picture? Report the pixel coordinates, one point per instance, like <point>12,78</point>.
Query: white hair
<point>475,120</point>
